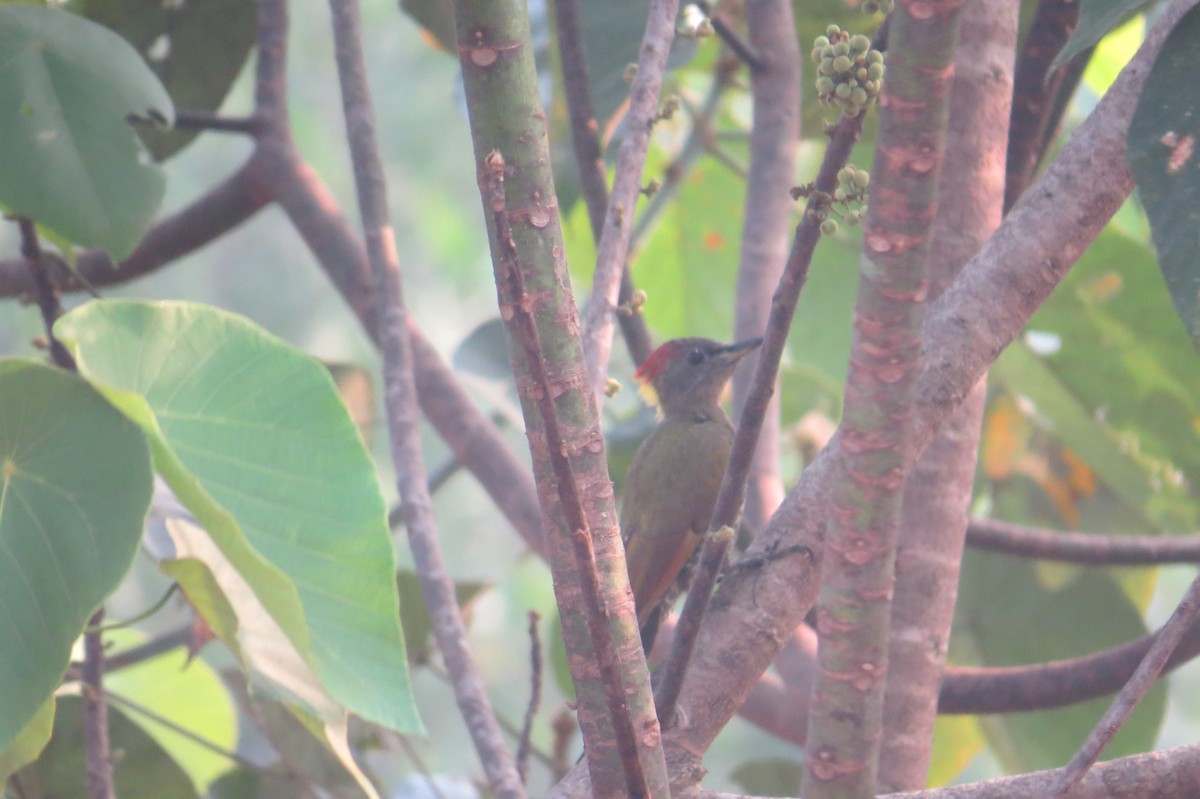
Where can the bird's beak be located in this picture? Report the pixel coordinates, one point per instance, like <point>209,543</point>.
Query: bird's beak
<point>735,351</point>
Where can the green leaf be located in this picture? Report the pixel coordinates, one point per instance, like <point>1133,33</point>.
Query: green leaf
<point>1163,156</point>
<point>30,741</point>
<point>186,692</point>
<point>75,484</point>
<point>144,770</point>
<point>1127,376</point>
<point>1006,617</point>
<point>1096,19</point>
<point>68,158</point>
<point>197,50</point>
<point>253,439</point>
<point>1098,446</point>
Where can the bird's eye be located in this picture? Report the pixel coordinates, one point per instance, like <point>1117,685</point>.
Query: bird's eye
<point>695,356</point>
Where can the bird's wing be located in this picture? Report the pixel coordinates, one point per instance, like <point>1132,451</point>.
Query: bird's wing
<point>660,537</point>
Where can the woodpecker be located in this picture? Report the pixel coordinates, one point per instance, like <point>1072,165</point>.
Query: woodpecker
<point>675,476</point>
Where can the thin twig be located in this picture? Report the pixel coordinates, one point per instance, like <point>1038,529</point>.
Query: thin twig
<point>515,298</point>
<point>95,705</point>
<point>733,40</point>
<point>1139,684</point>
<point>510,729</point>
<point>613,247</point>
<point>47,293</point>
<point>95,715</point>
<point>418,761</point>
<point>1088,548</point>
<point>1059,683</point>
<point>403,415</point>
<point>694,146</point>
<point>535,697</point>
<point>207,120</point>
<point>191,735</point>
<point>585,140</point>
<point>767,224</point>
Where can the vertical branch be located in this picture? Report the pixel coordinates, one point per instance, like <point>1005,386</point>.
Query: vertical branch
<point>613,247</point>
<point>100,783</point>
<point>515,300</point>
<point>938,492</point>
<point>775,89</point>
<point>403,415</point>
<point>585,140</point>
<point>506,117</point>
<point>95,715</point>
<point>857,575</point>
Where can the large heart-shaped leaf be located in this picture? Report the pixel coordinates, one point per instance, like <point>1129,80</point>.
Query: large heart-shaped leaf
<point>254,441</point>
<point>68,158</point>
<point>75,484</point>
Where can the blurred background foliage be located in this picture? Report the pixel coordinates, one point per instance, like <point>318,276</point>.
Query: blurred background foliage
<point>1093,418</point>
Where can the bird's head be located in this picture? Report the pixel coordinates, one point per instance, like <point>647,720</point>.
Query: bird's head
<point>689,372</point>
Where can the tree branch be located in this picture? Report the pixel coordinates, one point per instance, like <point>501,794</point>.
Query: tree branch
<point>775,90</point>
<point>938,492</point>
<point>585,141</point>
<point>845,720</point>
<point>1039,100</point>
<point>613,246</point>
<point>403,416</point>
<point>515,298</point>
<point>1085,548</point>
<point>506,117</point>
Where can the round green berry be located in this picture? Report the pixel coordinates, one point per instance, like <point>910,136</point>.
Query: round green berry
<point>861,179</point>
<point>832,30</point>
<point>874,57</point>
<point>860,43</point>
<point>841,64</point>
<point>858,95</point>
<point>853,218</point>
<point>829,227</point>
<point>874,72</point>
<point>821,41</point>
<point>824,85</point>
<point>843,90</point>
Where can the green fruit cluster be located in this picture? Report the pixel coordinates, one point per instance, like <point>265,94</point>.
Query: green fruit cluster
<point>849,72</point>
<point>851,190</point>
